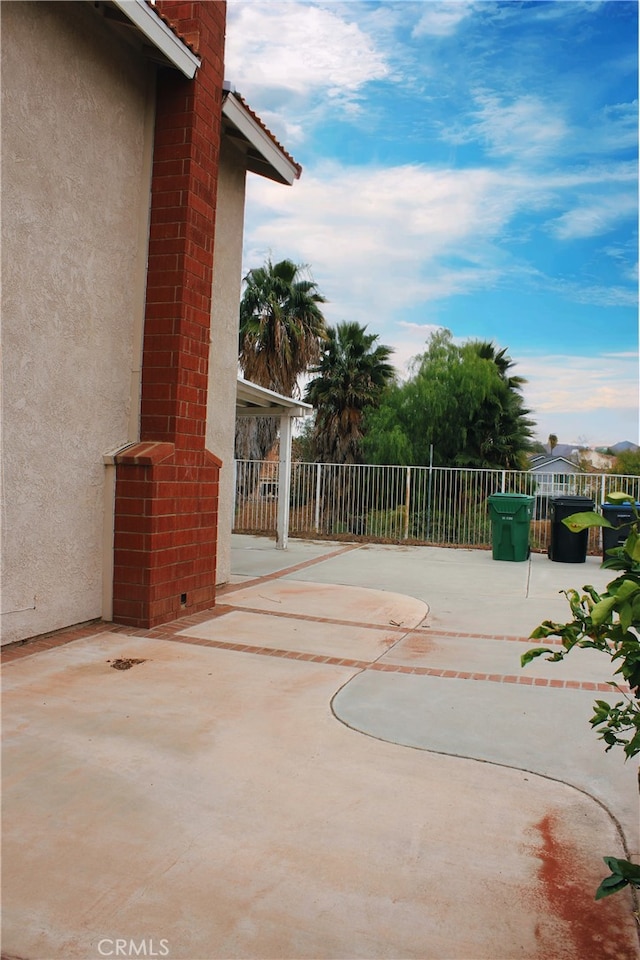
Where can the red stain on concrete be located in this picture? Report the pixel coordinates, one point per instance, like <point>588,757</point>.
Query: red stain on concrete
<point>586,929</point>
<point>417,645</point>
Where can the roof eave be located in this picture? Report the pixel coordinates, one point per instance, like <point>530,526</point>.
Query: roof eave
<point>267,159</point>
<point>159,35</point>
<point>255,401</point>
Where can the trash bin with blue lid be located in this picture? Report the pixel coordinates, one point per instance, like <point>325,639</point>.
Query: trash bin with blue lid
<point>511,515</point>
<point>621,516</point>
<point>566,546</point>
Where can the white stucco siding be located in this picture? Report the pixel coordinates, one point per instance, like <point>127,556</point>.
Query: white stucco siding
<point>223,359</point>
<point>77,128</point>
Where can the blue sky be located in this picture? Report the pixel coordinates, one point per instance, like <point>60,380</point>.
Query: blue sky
<point>468,165</point>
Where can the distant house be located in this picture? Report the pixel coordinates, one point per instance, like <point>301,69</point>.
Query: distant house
<point>554,475</point>
<point>564,450</point>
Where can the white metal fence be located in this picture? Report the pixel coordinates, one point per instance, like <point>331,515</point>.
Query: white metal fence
<point>429,505</point>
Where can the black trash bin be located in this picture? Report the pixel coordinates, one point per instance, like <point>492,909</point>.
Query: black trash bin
<point>565,546</point>
<point>620,515</point>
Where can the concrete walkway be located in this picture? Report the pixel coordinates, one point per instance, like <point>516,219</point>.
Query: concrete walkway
<point>295,774</point>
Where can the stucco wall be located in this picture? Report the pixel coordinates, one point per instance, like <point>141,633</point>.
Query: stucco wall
<point>223,359</point>
<point>76,141</point>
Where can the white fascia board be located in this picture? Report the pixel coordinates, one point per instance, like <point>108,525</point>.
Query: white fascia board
<point>255,401</point>
<point>160,35</point>
<point>244,122</point>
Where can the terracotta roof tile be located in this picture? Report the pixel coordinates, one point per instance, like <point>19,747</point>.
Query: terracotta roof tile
<point>168,23</point>
<point>266,130</point>
<point>244,103</point>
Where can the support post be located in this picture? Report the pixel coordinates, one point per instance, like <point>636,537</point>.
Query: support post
<point>284,484</point>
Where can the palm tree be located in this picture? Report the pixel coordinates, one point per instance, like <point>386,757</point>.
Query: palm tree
<point>501,433</point>
<point>486,350</point>
<point>553,442</point>
<point>280,335</point>
<point>352,374</point>
<point>281,325</point>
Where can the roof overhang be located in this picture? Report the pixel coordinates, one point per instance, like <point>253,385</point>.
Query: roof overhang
<point>159,41</point>
<point>550,463</point>
<point>263,155</point>
<point>255,401</point>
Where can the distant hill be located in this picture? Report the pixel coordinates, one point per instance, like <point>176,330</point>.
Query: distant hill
<point>623,446</point>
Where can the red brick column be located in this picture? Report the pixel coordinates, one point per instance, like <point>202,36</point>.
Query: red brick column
<point>167,485</point>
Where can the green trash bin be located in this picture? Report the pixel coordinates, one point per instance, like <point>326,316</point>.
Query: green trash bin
<point>511,515</point>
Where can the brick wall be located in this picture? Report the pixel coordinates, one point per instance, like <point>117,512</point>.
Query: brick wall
<point>167,485</point>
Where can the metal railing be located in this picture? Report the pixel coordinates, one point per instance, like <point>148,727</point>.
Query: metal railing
<point>442,506</point>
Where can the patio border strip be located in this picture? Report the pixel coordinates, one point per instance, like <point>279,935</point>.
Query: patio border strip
<point>387,627</point>
<point>265,578</point>
<point>172,632</point>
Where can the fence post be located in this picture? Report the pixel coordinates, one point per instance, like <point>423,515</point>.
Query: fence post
<point>407,503</point>
<point>504,481</point>
<point>603,492</point>
<point>317,511</point>
<point>430,488</point>
<point>235,492</point>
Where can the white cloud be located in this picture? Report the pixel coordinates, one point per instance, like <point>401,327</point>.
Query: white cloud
<point>528,127</point>
<point>442,18</point>
<point>535,128</point>
<point>615,128</point>
<point>298,48</point>
<point>583,396</point>
<point>596,295</point>
<point>554,11</point>
<point>595,216</point>
<point>625,256</point>
<point>594,174</point>
<point>382,241</point>
<point>410,340</point>
<point>290,133</point>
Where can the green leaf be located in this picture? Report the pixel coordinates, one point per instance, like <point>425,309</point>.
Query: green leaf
<point>633,746</point>
<point>632,546</point>
<point>618,497</point>
<point>626,616</point>
<point>546,629</point>
<point>622,873</point>
<point>581,521</point>
<point>602,610</point>
<point>623,868</point>
<point>532,654</point>
<point>604,891</point>
<point>627,589</point>
<point>603,705</point>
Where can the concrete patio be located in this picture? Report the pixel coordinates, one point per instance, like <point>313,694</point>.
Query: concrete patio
<point>342,760</point>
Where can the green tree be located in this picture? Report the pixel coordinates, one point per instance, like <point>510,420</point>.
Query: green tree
<point>302,444</point>
<point>351,376</point>
<point>460,399</point>
<point>627,463</point>
<point>281,332</point>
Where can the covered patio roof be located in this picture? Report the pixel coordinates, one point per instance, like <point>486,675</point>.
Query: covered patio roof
<point>255,401</point>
